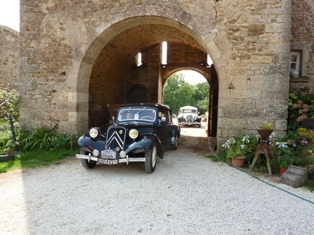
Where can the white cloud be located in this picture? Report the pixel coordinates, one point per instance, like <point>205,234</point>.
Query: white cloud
<point>10,14</point>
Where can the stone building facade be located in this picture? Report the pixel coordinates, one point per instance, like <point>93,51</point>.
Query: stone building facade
<point>77,58</point>
<point>302,44</point>
<point>9,57</point>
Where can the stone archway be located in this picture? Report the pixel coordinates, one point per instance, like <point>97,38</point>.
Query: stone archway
<point>211,77</point>
<point>109,74</point>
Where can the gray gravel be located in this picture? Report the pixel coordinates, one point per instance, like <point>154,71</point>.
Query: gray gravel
<point>187,194</point>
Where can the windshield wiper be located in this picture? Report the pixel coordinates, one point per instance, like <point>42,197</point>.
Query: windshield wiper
<point>125,111</point>
<point>141,111</point>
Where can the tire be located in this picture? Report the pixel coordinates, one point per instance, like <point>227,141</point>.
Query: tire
<point>151,159</point>
<point>175,145</point>
<point>86,164</point>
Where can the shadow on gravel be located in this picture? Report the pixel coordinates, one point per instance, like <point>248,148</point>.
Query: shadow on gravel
<point>194,144</point>
<point>132,168</point>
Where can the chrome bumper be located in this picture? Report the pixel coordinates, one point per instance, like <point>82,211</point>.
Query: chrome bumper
<point>189,123</point>
<point>111,161</point>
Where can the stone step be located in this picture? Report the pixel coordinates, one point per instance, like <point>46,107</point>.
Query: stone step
<point>295,176</point>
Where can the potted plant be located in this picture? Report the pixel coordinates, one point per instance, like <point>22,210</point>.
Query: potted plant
<point>265,129</point>
<point>284,155</point>
<point>235,149</point>
<point>283,165</point>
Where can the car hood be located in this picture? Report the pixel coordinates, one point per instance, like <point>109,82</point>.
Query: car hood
<point>142,129</point>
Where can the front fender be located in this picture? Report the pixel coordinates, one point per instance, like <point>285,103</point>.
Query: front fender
<point>88,144</point>
<point>143,144</point>
<point>160,149</point>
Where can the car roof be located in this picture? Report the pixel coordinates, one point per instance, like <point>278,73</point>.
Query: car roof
<point>156,105</point>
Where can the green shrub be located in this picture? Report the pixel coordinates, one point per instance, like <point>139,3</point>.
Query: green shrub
<point>45,139</point>
<point>9,103</point>
<point>6,142</point>
<point>299,107</point>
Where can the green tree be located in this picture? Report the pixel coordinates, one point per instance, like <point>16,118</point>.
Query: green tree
<point>201,96</point>
<point>201,91</point>
<point>202,105</point>
<point>178,93</point>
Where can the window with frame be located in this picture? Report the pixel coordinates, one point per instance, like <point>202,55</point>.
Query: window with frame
<point>295,61</point>
<point>164,113</point>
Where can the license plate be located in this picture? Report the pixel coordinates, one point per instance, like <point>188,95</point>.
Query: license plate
<point>108,153</point>
<point>108,162</point>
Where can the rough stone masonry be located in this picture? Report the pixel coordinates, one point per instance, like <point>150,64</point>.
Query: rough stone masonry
<point>77,57</point>
<point>9,59</point>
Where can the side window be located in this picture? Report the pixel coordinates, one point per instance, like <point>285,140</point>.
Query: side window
<point>295,64</point>
<point>163,115</point>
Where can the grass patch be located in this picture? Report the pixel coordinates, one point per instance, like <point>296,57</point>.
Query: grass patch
<point>35,158</point>
<point>215,158</point>
<point>309,184</point>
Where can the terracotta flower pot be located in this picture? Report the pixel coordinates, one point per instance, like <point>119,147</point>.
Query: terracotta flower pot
<point>238,161</point>
<point>282,170</point>
<point>265,134</point>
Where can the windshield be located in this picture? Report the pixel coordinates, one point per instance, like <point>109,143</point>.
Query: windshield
<point>137,113</point>
<point>188,111</point>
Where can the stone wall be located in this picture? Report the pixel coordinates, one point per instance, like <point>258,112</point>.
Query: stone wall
<point>65,43</point>
<point>9,62</point>
<point>255,87</point>
<point>302,29</point>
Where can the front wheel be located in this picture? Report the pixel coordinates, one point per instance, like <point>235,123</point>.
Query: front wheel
<point>86,164</point>
<point>151,159</point>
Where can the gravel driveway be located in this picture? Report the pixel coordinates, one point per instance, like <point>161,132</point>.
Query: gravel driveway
<point>187,194</point>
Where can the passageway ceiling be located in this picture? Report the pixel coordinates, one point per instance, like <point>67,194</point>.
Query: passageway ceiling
<point>183,50</point>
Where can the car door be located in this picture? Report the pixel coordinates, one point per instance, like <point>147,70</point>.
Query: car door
<point>163,129</point>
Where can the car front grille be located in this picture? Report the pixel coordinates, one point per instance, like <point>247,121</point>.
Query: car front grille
<point>116,137</point>
<point>189,118</point>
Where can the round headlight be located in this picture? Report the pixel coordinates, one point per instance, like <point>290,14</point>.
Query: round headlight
<point>122,154</point>
<point>95,152</point>
<point>93,132</point>
<point>133,134</point>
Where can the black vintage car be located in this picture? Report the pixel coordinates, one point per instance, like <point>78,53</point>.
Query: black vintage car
<point>140,133</point>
